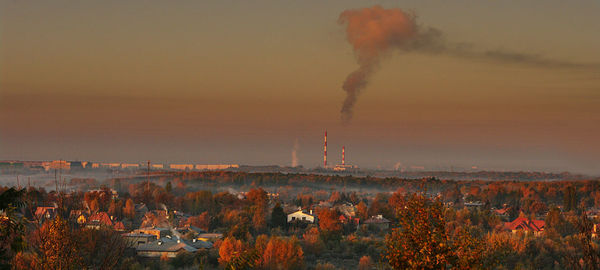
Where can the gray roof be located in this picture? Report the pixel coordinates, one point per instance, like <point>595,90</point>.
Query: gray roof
<point>166,244</point>
<point>138,235</point>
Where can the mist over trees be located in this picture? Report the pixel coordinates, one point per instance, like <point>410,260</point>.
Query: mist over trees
<point>426,223</point>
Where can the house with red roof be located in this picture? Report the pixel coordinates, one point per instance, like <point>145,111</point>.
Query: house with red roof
<point>503,213</point>
<point>45,212</point>
<point>525,224</point>
<point>100,219</point>
<point>119,226</point>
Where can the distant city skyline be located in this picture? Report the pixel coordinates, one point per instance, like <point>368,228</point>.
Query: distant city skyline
<point>248,82</point>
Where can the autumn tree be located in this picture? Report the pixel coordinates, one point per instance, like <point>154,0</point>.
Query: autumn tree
<point>55,246</point>
<point>258,197</point>
<point>11,225</point>
<point>335,197</point>
<point>330,225</point>
<point>129,209</point>
<point>282,254</point>
<point>259,221</point>
<point>570,198</point>
<point>199,201</point>
<point>229,249</point>
<point>312,240</point>
<point>200,221</point>
<point>94,205</point>
<point>100,249</point>
<point>115,209</point>
<point>586,254</point>
<point>397,198</point>
<point>168,187</point>
<point>362,211</point>
<point>421,241</point>
<point>365,263</point>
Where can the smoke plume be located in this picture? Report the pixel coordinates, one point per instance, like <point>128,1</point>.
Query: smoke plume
<point>294,153</point>
<point>372,32</point>
<point>375,32</point>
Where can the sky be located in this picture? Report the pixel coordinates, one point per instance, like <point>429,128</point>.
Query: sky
<point>241,81</point>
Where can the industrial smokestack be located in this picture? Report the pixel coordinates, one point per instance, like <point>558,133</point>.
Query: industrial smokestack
<point>325,151</point>
<point>343,155</point>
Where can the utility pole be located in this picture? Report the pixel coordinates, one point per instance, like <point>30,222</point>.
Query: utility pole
<point>59,172</point>
<point>148,177</point>
<point>55,180</point>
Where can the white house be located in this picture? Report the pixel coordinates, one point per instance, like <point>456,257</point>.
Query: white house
<point>301,215</point>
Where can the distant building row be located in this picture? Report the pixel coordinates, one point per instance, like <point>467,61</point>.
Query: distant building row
<point>69,165</point>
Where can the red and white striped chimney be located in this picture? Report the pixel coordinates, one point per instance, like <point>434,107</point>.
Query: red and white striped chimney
<point>325,151</point>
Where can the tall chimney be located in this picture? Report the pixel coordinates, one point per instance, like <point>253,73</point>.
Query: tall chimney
<point>325,151</point>
<point>343,155</point>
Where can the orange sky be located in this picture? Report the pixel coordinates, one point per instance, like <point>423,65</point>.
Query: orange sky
<point>239,82</point>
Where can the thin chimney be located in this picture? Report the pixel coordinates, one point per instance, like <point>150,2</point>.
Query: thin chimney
<point>343,155</point>
<point>325,151</point>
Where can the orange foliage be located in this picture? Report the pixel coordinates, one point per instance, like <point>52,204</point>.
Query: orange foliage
<point>329,220</point>
<point>365,263</point>
<point>201,221</point>
<point>129,209</point>
<point>229,249</point>
<point>282,254</point>
<point>362,211</point>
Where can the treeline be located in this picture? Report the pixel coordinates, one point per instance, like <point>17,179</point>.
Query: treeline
<point>431,226</point>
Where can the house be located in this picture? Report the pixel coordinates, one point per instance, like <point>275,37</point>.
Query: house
<point>378,222</point>
<point>171,247</point>
<point>182,167</point>
<point>45,212</point>
<point>119,226</point>
<point>474,204</point>
<point>183,230</point>
<point>130,165</point>
<point>97,220</point>
<point>525,224</point>
<point>347,209</point>
<point>596,230</point>
<point>209,236</point>
<point>80,216</point>
<point>105,192</point>
<point>503,213</point>
<point>157,232</point>
<point>301,215</point>
<point>137,239</point>
<point>216,166</point>
<point>159,218</point>
<point>593,213</point>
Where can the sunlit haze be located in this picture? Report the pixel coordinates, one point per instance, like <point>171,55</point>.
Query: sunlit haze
<point>515,87</point>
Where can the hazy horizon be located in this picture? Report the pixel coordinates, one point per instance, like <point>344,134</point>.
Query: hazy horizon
<point>240,82</point>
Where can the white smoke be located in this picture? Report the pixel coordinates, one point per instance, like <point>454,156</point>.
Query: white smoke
<point>295,153</point>
<point>398,166</point>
